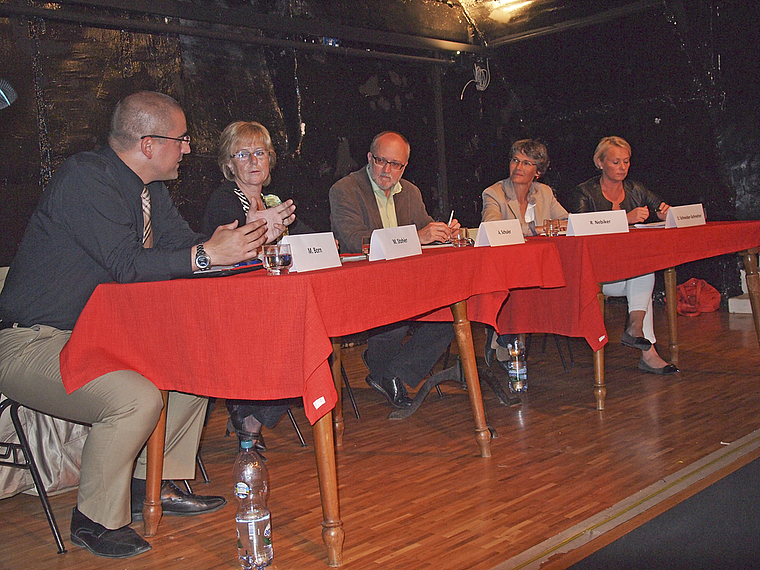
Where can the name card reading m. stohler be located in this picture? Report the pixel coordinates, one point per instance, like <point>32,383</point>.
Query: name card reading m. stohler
<point>313,251</point>
<point>394,243</point>
<point>499,232</point>
<point>685,216</point>
<point>595,223</point>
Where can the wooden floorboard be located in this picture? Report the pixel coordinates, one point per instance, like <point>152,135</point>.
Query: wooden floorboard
<point>415,494</point>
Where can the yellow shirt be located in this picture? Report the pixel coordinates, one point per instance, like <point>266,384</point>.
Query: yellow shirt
<point>386,205</point>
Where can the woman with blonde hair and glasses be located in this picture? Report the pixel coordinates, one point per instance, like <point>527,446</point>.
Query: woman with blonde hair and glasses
<point>246,157</point>
<point>613,191</point>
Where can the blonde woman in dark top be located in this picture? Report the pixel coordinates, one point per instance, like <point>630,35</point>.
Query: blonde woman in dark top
<point>612,191</point>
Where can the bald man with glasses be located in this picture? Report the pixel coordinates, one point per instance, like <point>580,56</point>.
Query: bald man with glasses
<point>377,197</point>
<point>107,216</point>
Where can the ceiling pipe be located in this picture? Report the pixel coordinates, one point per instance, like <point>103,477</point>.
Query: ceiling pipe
<point>244,34</point>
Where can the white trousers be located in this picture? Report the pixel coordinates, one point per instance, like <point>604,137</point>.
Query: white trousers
<point>638,292</point>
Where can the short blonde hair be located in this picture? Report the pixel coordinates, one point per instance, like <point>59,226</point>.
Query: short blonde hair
<point>244,131</point>
<point>605,144</point>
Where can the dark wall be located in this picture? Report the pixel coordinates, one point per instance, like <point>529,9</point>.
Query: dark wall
<point>654,78</point>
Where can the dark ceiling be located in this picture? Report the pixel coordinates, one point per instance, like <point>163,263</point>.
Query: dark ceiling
<point>405,29</point>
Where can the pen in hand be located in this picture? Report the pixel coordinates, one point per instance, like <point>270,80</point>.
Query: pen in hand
<point>451,218</point>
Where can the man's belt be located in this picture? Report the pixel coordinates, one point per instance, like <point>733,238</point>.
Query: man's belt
<point>6,324</point>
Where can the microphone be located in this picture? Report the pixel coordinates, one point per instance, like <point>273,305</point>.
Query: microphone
<point>7,94</point>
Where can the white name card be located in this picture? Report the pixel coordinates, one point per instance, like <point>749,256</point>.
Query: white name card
<point>394,243</point>
<point>685,216</point>
<point>313,251</point>
<point>595,223</point>
<point>499,232</point>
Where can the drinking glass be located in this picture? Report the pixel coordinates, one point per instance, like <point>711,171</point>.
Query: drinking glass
<point>278,258</point>
<point>551,227</point>
<point>462,240</point>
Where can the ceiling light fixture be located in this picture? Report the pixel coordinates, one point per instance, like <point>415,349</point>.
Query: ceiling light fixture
<point>504,10</point>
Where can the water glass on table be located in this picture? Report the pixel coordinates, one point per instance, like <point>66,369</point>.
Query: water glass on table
<point>552,227</point>
<point>462,239</point>
<point>278,258</point>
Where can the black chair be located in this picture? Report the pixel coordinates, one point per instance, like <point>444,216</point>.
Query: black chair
<point>11,456</point>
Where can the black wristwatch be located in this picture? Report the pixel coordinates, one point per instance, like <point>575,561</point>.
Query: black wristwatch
<point>202,260</point>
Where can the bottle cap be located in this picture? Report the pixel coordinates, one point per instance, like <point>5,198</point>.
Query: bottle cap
<point>246,444</point>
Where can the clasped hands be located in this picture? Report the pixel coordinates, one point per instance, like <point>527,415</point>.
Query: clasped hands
<point>231,244</point>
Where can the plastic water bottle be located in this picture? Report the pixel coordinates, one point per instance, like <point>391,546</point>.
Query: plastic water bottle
<point>518,368</point>
<point>254,529</point>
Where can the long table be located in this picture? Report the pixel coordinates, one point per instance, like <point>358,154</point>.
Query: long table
<point>589,261</point>
<point>253,336</point>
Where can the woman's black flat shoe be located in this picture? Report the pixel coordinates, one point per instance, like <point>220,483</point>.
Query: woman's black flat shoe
<point>667,369</point>
<point>638,342</point>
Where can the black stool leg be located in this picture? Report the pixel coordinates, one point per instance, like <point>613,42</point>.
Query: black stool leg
<point>32,466</point>
<point>559,349</point>
<point>295,426</point>
<point>350,391</point>
<point>202,467</point>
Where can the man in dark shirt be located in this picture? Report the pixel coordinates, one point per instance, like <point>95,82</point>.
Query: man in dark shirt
<point>89,229</point>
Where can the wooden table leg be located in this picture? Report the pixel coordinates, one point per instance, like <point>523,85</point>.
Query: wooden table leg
<point>463,333</point>
<point>338,425</point>
<point>600,390</point>
<point>671,304</point>
<point>152,506</point>
<point>332,526</point>
<point>753,285</point>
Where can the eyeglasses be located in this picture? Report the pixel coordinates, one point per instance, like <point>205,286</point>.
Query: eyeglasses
<point>244,155</point>
<point>183,138</point>
<point>525,163</point>
<point>381,162</point>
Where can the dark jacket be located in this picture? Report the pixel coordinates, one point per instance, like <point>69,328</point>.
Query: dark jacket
<point>354,213</point>
<point>588,197</point>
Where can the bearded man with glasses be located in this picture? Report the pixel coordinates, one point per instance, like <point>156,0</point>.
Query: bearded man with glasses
<point>377,197</point>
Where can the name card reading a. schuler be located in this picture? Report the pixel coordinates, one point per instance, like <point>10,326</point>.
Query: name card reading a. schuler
<point>684,216</point>
<point>394,243</point>
<point>313,251</point>
<point>595,223</point>
<point>499,232</point>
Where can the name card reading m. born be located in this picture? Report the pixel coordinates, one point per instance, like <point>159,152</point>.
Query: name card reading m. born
<point>596,223</point>
<point>394,243</point>
<point>685,216</point>
<point>499,232</point>
<point>313,251</point>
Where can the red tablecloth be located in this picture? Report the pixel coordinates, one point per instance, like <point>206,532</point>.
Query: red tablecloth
<point>255,336</point>
<point>588,260</point>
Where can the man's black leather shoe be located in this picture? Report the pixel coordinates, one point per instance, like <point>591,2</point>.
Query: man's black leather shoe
<point>393,389</point>
<point>175,501</point>
<point>120,543</point>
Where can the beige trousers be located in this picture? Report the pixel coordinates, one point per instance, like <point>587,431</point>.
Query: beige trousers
<point>122,407</point>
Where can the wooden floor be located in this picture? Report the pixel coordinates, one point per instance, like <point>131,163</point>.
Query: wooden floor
<point>415,494</point>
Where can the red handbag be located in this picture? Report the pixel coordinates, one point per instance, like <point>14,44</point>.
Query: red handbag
<point>697,296</point>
